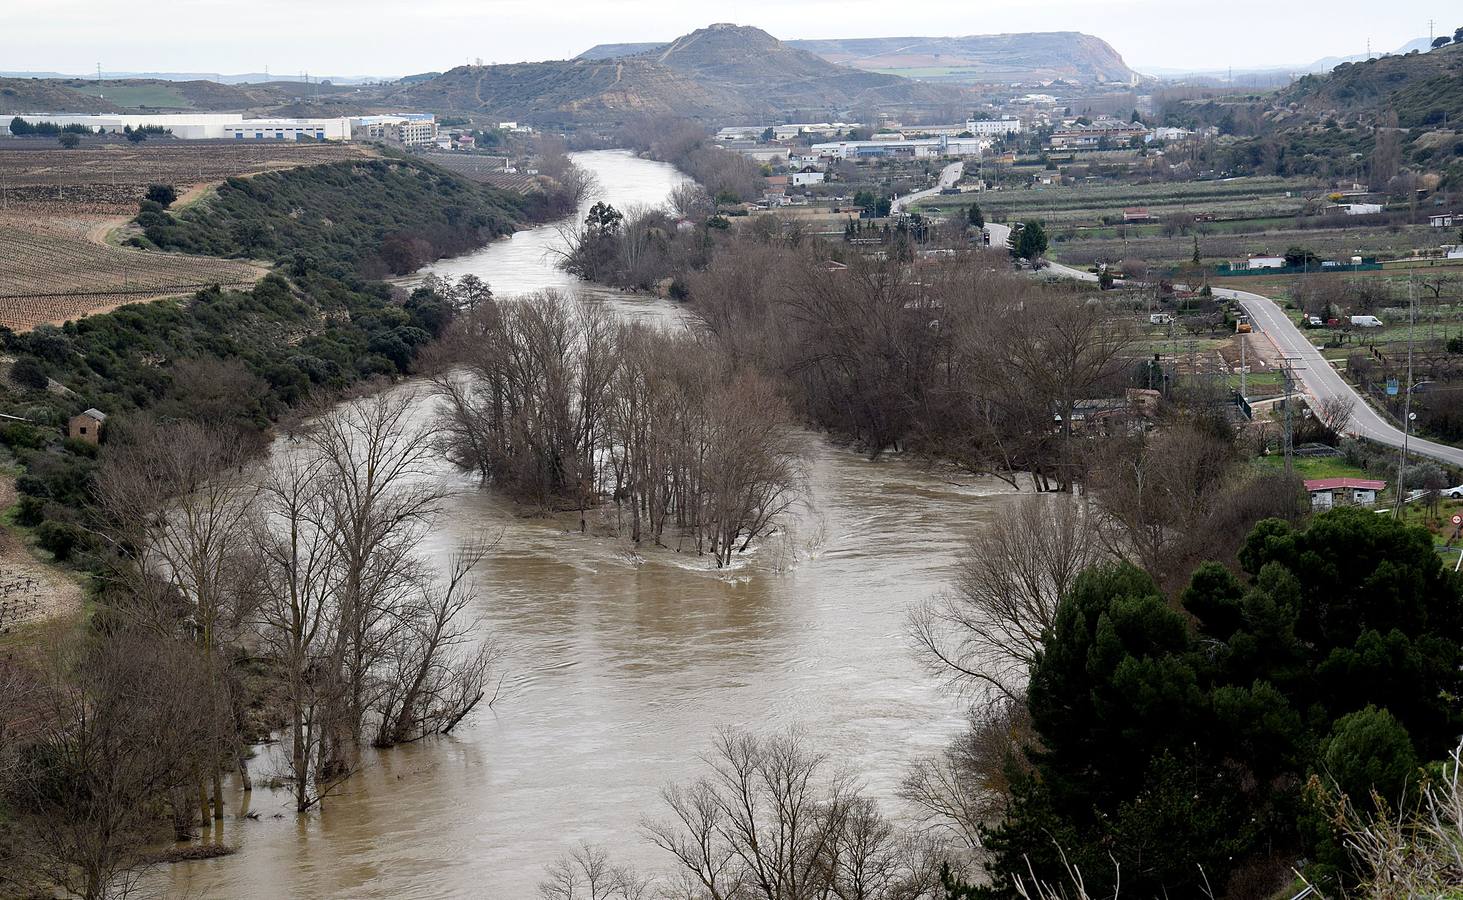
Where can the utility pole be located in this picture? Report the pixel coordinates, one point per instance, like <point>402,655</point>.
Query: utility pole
<point>1407,399</point>
<point>1243,367</point>
<point>1288,444</point>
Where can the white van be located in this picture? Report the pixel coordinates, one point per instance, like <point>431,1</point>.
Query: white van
<point>1366,322</point>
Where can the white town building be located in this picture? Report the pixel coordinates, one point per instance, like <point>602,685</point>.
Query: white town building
<point>407,129</point>
<point>993,127</point>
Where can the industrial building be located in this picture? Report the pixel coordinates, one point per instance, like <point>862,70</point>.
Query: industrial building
<point>407,129</point>
<point>922,148</point>
<point>189,126</point>
<point>207,126</point>
<point>289,129</point>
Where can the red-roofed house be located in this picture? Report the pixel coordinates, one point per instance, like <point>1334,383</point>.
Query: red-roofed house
<point>1133,214</point>
<point>1328,492</point>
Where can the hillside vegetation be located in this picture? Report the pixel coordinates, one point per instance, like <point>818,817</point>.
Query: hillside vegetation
<point>369,218</point>
<point>1422,88</point>
<point>79,95</point>
<point>18,95</point>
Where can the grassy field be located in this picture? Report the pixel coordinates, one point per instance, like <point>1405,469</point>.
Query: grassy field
<point>1076,248</point>
<point>1086,203</point>
<point>1309,467</point>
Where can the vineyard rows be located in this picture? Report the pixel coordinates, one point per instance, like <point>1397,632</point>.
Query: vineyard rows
<point>113,179</point>
<point>54,274</point>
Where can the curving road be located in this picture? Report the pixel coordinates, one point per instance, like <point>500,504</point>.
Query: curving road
<point>949,176</point>
<point>1316,376</point>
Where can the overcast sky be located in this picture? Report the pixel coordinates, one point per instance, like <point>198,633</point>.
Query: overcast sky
<point>399,37</point>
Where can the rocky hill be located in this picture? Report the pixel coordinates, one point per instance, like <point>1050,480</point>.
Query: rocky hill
<point>1423,89</point>
<point>724,71</point>
<point>569,91</point>
<point>974,59</point>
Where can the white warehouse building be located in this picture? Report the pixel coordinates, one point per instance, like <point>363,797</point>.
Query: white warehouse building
<point>187,126</point>
<point>289,129</point>
<point>206,126</point>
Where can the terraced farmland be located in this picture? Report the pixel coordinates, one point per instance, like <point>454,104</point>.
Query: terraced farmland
<point>57,270</point>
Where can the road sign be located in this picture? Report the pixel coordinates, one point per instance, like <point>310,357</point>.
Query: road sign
<point>1392,387</point>
<point>1458,520</point>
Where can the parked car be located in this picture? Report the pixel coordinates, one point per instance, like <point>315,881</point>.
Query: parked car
<point>1454,493</point>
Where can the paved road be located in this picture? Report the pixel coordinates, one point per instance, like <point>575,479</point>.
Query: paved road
<point>1317,377</point>
<point>1322,382</point>
<point>1001,237</point>
<point>949,176</point>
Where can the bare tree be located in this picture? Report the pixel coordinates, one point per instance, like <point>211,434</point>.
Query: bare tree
<point>374,463</point>
<point>432,681</point>
<point>967,785</point>
<point>689,200</point>
<point>121,726</point>
<point>984,636</point>
<point>1335,412</point>
<point>296,616</point>
<point>587,873</point>
<point>176,501</point>
<point>771,821</point>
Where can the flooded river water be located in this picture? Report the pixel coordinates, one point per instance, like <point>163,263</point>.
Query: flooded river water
<point>620,669</point>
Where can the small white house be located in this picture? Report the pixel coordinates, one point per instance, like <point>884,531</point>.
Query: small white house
<point>1265,262</point>
<point>1330,492</point>
<point>1445,220</point>
<point>797,179</point>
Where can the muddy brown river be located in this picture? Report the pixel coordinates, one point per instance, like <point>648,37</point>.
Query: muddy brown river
<point>621,667</point>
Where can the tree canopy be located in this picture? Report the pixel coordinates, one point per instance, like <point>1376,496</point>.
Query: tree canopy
<point>1030,241</point>
<point>1175,739</point>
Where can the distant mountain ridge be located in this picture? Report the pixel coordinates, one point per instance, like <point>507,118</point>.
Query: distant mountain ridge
<point>972,59</point>
<point>722,71</point>
<point>1324,64</point>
